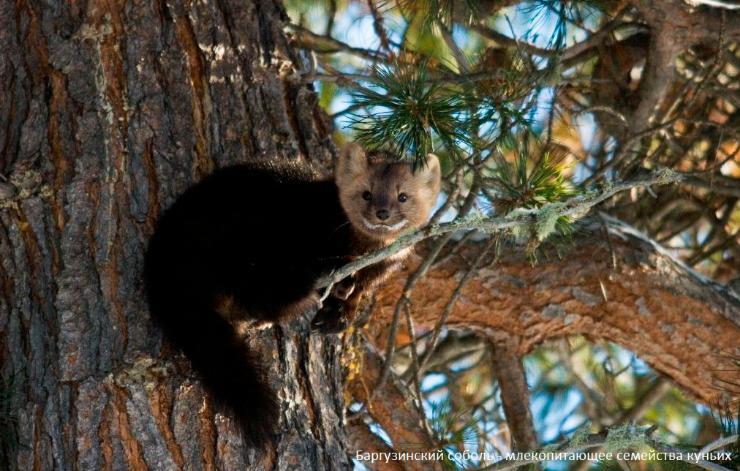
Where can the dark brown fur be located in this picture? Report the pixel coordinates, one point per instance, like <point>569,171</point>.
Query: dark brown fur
<point>248,244</point>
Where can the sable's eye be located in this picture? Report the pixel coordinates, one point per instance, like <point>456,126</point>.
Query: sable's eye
<point>403,197</point>
<point>367,196</point>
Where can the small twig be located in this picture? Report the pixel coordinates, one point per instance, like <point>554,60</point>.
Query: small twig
<point>463,64</point>
<point>608,110</point>
<point>608,241</point>
<point>459,175</point>
<point>416,373</point>
<point>453,299</point>
<point>592,400</point>
<point>378,25</point>
<point>625,148</point>
<point>332,14</point>
<point>505,40</point>
<point>459,243</point>
<point>718,443</point>
<point>390,349</point>
<point>345,80</point>
<point>321,43</point>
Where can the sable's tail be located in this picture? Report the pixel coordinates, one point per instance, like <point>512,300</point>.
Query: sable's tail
<point>230,372</point>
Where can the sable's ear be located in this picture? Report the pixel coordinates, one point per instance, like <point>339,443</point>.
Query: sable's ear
<point>352,161</point>
<point>431,173</point>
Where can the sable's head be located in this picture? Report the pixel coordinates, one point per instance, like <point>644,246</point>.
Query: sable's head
<point>382,197</point>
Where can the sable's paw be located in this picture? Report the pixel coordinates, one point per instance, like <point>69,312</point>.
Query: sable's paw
<point>344,288</point>
<point>331,319</point>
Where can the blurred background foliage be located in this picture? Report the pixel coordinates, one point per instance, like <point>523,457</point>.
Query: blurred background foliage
<point>528,103</point>
<point>575,386</point>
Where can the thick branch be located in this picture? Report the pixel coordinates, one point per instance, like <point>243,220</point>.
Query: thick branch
<point>681,323</point>
<point>698,24</point>
<point>509,372</point>
<point>657,76</point>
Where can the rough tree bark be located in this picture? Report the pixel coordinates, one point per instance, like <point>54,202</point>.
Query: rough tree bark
<point>108,110</point>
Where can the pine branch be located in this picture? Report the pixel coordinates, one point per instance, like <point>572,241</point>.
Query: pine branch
<point>567,57</point>
<point>508,368</point>
<point>305,38</point>
<point>574,208</point>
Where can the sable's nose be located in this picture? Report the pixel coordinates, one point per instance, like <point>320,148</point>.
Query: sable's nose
<point>383,214</point>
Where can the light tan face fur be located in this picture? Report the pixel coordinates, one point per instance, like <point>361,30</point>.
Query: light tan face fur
<point>383,198</point>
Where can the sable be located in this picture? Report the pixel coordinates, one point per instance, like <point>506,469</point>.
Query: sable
<point>250,243</point>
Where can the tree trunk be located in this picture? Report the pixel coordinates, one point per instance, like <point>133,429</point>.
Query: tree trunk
<point>108,111</point>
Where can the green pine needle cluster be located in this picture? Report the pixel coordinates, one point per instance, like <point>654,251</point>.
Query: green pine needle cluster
<point>409,113</point>
<point>532,181</point>
<point>453,430</point>
<point>430,12</point>
<point>413,110</point>
<point>565,12</point>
